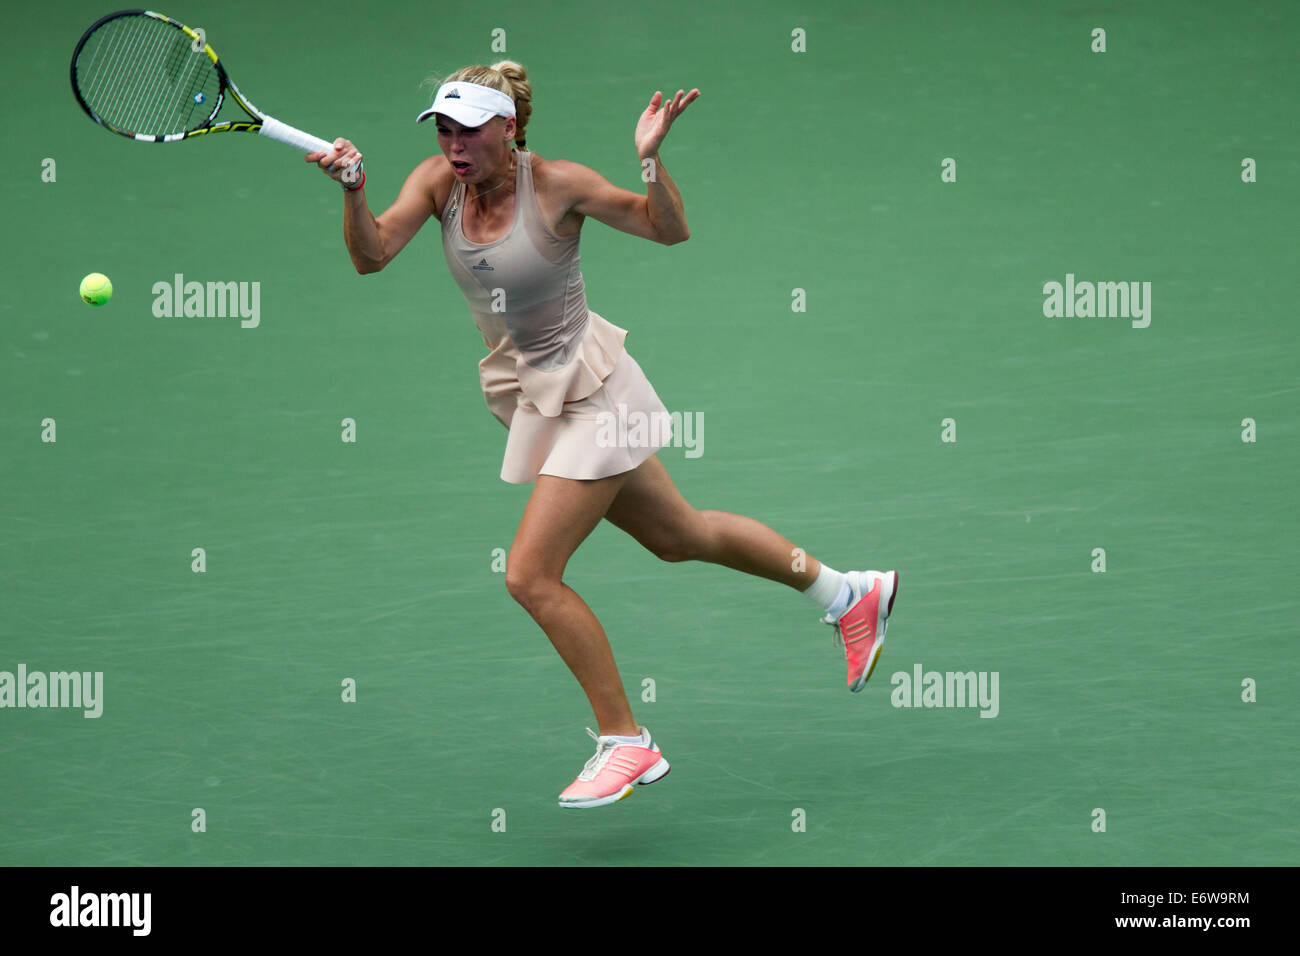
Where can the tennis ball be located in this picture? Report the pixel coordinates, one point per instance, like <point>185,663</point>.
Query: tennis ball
<point>96,289</point>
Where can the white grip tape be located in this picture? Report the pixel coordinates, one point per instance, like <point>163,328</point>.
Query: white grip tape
<point>284,133</point>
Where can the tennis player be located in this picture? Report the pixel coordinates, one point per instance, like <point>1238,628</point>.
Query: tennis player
<point>555,374</point>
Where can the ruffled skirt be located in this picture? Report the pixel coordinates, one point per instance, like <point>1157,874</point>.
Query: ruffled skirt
<point>611,431</point>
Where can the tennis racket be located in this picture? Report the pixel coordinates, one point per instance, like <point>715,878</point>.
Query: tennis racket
<point>146,76</point>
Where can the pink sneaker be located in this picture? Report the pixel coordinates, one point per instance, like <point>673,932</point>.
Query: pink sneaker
<point>610,775</point>
<point>861,629</point>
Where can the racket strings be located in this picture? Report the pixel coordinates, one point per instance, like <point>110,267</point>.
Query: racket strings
<point>114,51</point>
<point>118,45</point>
<point>106,51</point>
<point>155,104</point>
<point>137,88</point>
<point>194,97</point>
<point>142,76</point>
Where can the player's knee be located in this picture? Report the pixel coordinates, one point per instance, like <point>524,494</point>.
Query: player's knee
<point>530,590</point>
<point>690,542</point>
<point>670,551</point>
<point>517,584</point>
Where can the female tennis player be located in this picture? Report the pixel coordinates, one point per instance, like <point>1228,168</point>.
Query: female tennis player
<point>555,375</point>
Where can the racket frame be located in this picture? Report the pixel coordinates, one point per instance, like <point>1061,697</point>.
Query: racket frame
<point>259,122</point>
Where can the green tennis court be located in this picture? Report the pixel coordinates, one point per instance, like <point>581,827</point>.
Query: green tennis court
<point>921,412</point>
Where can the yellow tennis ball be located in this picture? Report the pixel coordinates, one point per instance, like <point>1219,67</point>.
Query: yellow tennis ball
<point>96,289</point>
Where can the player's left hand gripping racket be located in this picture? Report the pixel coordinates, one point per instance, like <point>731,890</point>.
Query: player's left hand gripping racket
<point>146,76</point>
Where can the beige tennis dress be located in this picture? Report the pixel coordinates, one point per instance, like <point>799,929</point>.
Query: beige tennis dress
<point>556,374</point>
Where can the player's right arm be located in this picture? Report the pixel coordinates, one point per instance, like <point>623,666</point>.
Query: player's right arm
<point>372,241</point>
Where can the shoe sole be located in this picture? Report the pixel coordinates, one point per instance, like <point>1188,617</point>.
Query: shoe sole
<point>882,622</point>
<point>653,775</point>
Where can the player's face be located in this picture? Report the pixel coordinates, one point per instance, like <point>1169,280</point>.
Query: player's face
<point>475,152</point>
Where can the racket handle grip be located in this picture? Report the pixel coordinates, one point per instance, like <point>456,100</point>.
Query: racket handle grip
<point>284,133</point>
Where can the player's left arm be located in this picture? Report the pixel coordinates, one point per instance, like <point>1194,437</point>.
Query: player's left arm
<point>658,216</point>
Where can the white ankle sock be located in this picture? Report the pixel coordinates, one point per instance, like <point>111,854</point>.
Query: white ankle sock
<point>831,591</point>
<point>643,739</point>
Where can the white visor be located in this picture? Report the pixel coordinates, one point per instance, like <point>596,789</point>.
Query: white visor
<point>469,104</point>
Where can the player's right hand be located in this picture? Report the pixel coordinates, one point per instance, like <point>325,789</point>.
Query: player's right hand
<point>337,161</point>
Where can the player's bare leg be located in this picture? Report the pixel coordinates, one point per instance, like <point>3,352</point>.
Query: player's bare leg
<point>651,509</point>
<point>561,512</point>
<point>856,603</point>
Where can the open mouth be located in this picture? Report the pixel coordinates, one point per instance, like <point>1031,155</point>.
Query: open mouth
<point>460,165</point>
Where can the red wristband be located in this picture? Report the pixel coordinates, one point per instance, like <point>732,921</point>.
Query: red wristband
<point>359,184</point>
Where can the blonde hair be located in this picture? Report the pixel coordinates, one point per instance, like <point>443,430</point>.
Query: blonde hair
<point>504,76</point>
